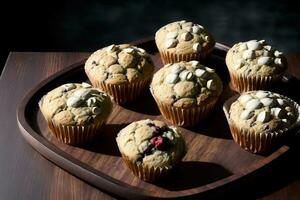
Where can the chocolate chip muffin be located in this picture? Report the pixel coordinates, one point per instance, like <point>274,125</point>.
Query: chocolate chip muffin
<point>186,92</point>
<point>75,112</point>
<point>259,120</point>
<point>254,65</point>
<point>150,148</point>
<point>183,41</point>
<point>122,71</point>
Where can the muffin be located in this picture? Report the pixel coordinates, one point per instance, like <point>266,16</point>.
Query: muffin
<point>75,112</point>
<point>254,65</point>
<point>150,148</point>
<point>260,120</point>
<point>186,92</point>
<point>183,41</point>
<point>122,71</point>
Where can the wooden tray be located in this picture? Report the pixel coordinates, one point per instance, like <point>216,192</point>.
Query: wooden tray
<point>213,159</point>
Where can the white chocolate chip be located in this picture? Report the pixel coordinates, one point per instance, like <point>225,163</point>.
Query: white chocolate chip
<point>82,93</point>
<point>203,89</point>
<point>281,102</point>
<point>211,84</point>
<point>248,54</point>
<point>169,135</point>
<point>85,85</point>
<point>91,101</point>
<point>186,36</point>
<point>176,68</point>
<point>288,108</point>
<point>245,98</point>
<point>200,73</point>
<point>141,50</point>
<point>267,101</point>
<point>242,47</point>
<point>128,50</point>
<point>170,43</point>
<point>69,86</point>
<point>284,120</point>
<point>183,75</point>
<point>253,104</point>
<point>197,47</point>
<point>197,29</point>
<point>263,116</point>
<point>268,47</point>
<point>171,78</point>
<point>278,62</point>
<point>264,60</point>
<point>189,76</point>
<point>171,35</point>
<point>246,114</point>
<point>111,48</point>
<point>74,101</point>
<point>262,41</point>
<point>290,114</point>
<point>277,112</point>
<point>210,70</point>
<point>194,63</point>
<point>253,45</point>
<point>261,94</point>
<point>96,110</point>
<point>277,53</point>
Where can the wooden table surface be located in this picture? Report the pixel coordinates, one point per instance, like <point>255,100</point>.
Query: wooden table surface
<point>25,174</point>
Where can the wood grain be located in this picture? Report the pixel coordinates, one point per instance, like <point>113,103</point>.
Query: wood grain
<point>213,159</point>
<point>24,174</point>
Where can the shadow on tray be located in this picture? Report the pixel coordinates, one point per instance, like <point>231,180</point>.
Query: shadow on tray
<point>145,104</point>
<point>193,174</point>
<point>106,141</point>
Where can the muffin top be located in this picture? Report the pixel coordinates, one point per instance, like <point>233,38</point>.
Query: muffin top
<point>264,111</point>
<point>119,64</point>
<point>75,104</point>
<point>151,143</point>
<point>186,84</point>
<point>183,37</point>
<point>255,58</point>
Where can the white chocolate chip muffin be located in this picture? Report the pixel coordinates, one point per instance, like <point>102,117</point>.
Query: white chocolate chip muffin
<point>183,41</point>
<point>259,120</point>
<point>254,65</point>
<point>75,112</point>
<point>150,148</point>
<point>122,71</point>
<point>186,92</point>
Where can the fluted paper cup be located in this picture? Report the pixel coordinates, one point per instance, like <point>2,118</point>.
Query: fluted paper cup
<point>75,135</point>
<point>148,174</point>
<point>243,83</point>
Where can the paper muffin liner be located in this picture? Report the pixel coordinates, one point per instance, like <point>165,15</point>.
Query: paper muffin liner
<point>262,143</point>
<point>167,57</point>
<point>185,117</point>
<point>148,174</point>
<point>122,93</point>
<point>242,83</point>
<point>75,135</point>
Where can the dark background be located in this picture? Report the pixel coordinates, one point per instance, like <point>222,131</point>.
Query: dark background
<point>89,25</point>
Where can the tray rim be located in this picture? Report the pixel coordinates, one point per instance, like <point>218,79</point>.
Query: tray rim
<point>98,179</point>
